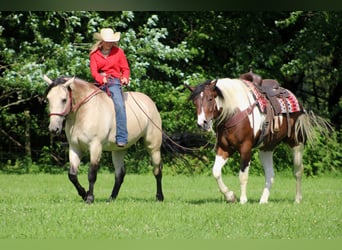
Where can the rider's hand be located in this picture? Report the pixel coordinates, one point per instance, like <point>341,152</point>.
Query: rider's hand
<point>104,80</point>
<point>124,81</point>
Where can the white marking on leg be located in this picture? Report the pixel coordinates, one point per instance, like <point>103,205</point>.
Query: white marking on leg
<point>297,154</point>
<point>243,176</point>
<point>266,158</point>
<point>217,173</point>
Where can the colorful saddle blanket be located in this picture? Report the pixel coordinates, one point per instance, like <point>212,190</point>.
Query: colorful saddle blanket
<point>289,104</point>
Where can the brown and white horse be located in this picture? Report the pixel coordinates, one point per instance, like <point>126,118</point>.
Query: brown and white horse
<point>90,126</point>
<point>233,110</point>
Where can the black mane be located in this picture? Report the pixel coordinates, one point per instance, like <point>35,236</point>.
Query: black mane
<point>59,80</point>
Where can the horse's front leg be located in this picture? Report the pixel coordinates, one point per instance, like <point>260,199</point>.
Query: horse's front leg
<point>266,158</point>
<point>220,160</point>
<point>75,159</point>
<point>95,151</point>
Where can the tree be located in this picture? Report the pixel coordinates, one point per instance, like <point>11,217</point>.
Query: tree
<point>301,49</point>
<point>58,43</point>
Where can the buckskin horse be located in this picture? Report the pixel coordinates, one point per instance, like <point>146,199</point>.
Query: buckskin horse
<point>244,117</point>
<point>90,126</point>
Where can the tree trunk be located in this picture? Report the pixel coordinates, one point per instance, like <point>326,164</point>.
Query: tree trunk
<point>27,136</point>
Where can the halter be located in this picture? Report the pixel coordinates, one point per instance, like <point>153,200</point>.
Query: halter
<point>69,108</point>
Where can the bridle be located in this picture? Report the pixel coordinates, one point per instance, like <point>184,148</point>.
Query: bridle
<point>69,108</point>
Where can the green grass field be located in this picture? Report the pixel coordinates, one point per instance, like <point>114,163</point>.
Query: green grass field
<point>47,207</point>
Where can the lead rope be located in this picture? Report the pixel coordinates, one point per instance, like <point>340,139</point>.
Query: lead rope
<point>166,136</point>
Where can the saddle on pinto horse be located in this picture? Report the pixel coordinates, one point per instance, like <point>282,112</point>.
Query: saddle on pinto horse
<point>272,91</point>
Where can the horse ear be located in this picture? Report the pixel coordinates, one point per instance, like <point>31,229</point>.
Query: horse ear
<point>213,83</point>
<point>68,82</point>
<point>189,87</point>
<point>47,79</point>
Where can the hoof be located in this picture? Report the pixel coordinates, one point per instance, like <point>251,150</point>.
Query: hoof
<point>110,199</point>
<point>298,199</point>
<point>230,197</point>
<point>263,201</point>
<point>90,199</point>
<point>160,197</point>
<point>264,197</point>
<point>243,200</point>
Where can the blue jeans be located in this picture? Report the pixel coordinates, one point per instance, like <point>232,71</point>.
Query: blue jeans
<point>115,91</point>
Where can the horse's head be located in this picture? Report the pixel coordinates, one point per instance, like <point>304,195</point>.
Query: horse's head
<point>59,99</point>
<point>204,97</point>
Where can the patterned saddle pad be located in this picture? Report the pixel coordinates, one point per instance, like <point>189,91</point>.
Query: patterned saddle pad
<point>290,102</point>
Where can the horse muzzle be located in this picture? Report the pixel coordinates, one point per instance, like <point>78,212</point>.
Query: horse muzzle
<point>56,126</point>
<point>205,125</point>
<point>55,130</point>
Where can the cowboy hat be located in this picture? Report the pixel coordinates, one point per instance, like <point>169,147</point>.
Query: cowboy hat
<point>107,35</point>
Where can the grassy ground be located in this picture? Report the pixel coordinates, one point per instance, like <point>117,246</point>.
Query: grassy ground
<point>48,207</point>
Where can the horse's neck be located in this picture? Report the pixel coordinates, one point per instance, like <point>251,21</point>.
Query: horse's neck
<point>235,97</point>
<point>81,90</point>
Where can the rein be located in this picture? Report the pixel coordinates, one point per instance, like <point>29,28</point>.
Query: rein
<point>162,131</point>
<point>69,108</point>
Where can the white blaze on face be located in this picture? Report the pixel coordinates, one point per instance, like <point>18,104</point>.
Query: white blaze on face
<point>201,116</point>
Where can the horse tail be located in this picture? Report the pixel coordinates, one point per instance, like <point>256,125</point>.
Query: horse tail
<point>309,126</point>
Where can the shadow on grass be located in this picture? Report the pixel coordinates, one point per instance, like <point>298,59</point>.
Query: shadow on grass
<point>250,201</point>
<point>214,200</point>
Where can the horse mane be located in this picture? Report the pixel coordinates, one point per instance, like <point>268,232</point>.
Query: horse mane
<point>61,80</point>
<point>199,88</point>
<point>234,97</point>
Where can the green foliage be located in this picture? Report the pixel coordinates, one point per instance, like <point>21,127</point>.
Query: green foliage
<point>166,50</point>
<point>324,156</point>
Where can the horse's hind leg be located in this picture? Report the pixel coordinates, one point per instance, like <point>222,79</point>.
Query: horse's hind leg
<point>157,171</point>
<point>120,172</point>
<point>266,158</point>
<point>298,170</point>
<point>74,158</point>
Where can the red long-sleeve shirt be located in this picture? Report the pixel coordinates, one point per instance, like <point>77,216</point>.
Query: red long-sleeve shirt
<point>115,64</point>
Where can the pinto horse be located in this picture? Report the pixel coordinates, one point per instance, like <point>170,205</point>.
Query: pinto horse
<point>234,108</point>
<point>90,126</point>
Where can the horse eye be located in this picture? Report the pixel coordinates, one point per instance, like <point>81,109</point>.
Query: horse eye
<point>64,100</point>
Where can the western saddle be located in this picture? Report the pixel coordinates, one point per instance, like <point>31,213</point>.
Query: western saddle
<point>272,91</point>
